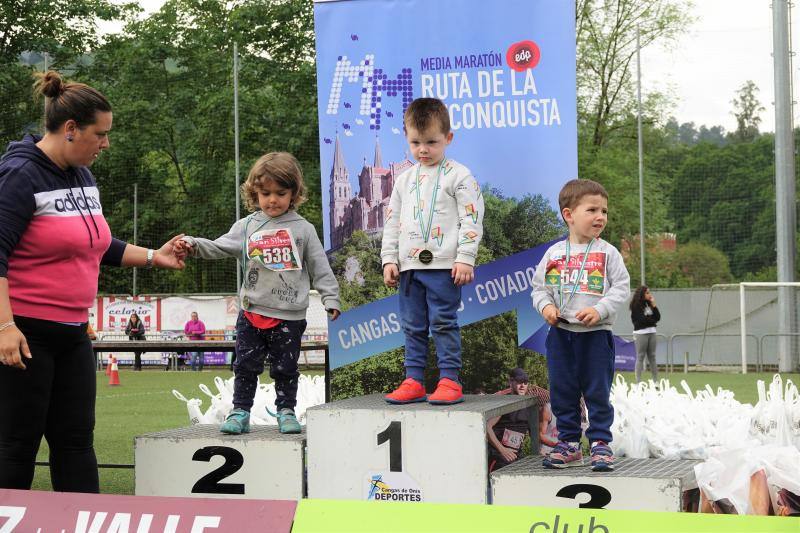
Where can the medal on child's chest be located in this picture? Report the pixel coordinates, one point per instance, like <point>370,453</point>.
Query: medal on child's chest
<point>425,256</point>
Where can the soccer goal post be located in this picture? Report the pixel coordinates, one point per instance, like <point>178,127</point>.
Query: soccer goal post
<point>787,335</point>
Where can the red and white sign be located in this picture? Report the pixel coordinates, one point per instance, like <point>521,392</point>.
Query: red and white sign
<point>46,512</point>
<point>113,312</point>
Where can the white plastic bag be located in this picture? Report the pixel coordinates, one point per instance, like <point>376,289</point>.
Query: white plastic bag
<point>726,475</point>
<point>196,416</point>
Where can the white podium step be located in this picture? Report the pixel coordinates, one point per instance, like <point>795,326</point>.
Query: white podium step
<point>633,485</point>
<point>201,461</point>
<point>364,448</point>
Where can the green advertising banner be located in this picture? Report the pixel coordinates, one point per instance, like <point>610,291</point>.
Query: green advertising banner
<point>329,516</point>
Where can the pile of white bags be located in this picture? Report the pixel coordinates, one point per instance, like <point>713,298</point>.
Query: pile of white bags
<point>656,420</point>
<point>736,476</point>
<point>751,453</point>
<point>310,392</point>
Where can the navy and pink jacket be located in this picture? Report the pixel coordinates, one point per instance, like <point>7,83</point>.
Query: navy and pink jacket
<point>53,236</point>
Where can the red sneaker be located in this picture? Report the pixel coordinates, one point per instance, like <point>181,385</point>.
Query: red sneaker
<point>447,392</point>
<point>409,391</point>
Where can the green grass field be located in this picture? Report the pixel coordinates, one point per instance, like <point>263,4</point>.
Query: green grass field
<point>144,403</point>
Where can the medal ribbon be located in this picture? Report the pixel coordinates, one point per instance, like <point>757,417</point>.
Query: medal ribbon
<point>561,303</point>
<point>245,258</point>
<point>427,234</point>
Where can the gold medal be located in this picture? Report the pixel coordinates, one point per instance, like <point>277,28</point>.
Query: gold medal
<point>426,257</point>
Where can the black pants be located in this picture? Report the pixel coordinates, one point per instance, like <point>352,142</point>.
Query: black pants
<point>137,355</point>
<point>281,345</point>
<point>55,398</point>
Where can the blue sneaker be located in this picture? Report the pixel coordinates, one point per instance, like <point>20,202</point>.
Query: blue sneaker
<point>563,456</point>
<point>238,422</point>
<point>287,422</point>
<point>602,457</point>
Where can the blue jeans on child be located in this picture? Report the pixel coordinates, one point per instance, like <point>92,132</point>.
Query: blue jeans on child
<point>281,346</point>
<point>429,301</point>
<point>581,364</point>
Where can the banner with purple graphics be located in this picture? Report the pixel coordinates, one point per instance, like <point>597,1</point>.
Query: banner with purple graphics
<point>506,71</point>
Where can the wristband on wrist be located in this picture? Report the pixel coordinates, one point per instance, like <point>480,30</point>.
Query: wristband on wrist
<point>149,261</point>
<point>6,325</point>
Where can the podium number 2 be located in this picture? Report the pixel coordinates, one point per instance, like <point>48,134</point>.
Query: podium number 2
<point>393,434</point>
<point>210,483</point>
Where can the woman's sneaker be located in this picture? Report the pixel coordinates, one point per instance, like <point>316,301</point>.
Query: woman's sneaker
<point>602,457</point>
<point>563,456</point>
<point>287,422</point>
<point>236,423</point>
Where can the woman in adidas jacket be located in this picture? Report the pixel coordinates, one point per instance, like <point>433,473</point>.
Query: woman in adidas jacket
<point>53,238</point>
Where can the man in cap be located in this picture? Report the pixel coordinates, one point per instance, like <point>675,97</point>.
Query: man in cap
<point>506,432</point>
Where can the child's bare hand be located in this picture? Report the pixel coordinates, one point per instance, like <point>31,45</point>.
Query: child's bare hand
<point>391,274</point>
<point>334,313</point>
<point>550,314</point>
<point>462,273</point>
<point>588,315</point>
<point>184,246</point>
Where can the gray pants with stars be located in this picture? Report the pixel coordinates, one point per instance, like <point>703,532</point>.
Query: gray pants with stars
<point>281,346</point>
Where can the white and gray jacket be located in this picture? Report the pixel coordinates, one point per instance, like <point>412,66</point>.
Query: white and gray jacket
<point>275,294</point>
<point>604,283</point>
<point>457,224</point>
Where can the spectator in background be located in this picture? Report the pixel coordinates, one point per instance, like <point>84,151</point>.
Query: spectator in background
<point>645,315</point>
<point>507,432</point>
<point>135,332</point>
<point>195,330</point>
<point>548,433</point>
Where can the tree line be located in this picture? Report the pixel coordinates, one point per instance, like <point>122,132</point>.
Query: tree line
<point>169,77</point>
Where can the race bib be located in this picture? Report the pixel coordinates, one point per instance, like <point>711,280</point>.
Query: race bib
<point>592,279</point>
<point>512,439</point>
<point>275,249</point>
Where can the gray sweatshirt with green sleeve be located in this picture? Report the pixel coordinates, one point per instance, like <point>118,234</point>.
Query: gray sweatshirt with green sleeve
<point>603,283</point>
<point>266,291</point>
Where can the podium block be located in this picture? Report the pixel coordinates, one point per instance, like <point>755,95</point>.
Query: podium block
<point>201,461</point>
<point>633,485</point>
<point>364,448</point>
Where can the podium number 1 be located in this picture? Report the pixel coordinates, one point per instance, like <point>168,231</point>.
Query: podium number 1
<point>393,433</point>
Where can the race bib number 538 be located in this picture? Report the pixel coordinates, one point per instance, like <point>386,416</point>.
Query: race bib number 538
<point>275,249</point>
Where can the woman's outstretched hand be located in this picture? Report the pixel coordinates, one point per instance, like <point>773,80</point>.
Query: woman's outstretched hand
<point>171,255</point>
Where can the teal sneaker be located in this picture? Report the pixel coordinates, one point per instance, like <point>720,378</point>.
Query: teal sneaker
<point>238,422</point>
<point>287,422</point>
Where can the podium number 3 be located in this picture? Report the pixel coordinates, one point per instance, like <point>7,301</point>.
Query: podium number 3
<point>393,434</point>
<point>599,496</point>
<point>210,483</point>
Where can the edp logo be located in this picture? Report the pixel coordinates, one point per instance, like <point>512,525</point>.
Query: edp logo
<point>523,55</point>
